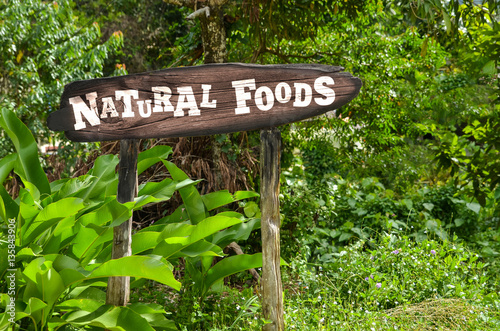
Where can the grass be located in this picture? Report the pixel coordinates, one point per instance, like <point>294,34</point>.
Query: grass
<point>400,285</point>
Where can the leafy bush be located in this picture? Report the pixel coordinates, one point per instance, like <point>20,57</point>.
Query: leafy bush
<point>61,235</point>
<point>327,214</point>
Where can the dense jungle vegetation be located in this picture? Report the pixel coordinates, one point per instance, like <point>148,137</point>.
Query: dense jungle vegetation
<point>390,206</point>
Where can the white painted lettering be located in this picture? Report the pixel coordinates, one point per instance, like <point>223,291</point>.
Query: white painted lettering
<point>162,96</point>
<point>242,96</point>
<point>283,92</point>
<point>327,92</point>
<point>205,101</point>
<point>108,108</point>
<point>299,102</point>
<point>140,106</point>
<point>259,98</point>
<point>186,100</point>
<point>80,108</point>
<point>127,96</point>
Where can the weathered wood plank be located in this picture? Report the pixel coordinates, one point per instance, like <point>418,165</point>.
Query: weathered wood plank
<point>272,291</point>
<point>201,100</point>
<point>118,291</point>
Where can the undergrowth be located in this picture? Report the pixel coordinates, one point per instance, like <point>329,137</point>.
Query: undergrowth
<point>397,285</point>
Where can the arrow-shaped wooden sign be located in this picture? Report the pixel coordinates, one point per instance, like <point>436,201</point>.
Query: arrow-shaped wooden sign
<point>200,100</point>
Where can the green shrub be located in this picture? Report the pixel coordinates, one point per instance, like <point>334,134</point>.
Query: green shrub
<point>59,235</point>
<point>328,214</point>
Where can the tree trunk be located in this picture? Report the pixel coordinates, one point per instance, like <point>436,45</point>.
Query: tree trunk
<point>213,33</point>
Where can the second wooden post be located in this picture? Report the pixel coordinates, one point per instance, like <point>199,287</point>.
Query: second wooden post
<point>272,292</point>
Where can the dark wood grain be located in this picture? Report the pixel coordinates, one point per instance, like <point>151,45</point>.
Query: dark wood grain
<point>223,118</point>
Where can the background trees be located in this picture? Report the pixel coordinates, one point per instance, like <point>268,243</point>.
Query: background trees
<point>43,47</point>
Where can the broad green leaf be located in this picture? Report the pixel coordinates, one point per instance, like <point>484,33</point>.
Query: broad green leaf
<point>3,213</point>
<point>201,248</point>
<point>217,199</point>
<point>32,189</point>
<point>7,164</point>
<point>179,215</point>
<point>79,304</point>
<point>62,236</point>
<point>251,209</point>
<point>88,292</point>
<point>441,234</point>
<point>345,236</point>
<point>105,179</point>
<point>34,305</point>
<point>236,233</point>
<point>142,241</point>
<point>9,208</point>
<point>232,214</point>
<point>160,191</point>
<point>151,156</point>
<point>429,206</point>
<point>171,246</point>
<point>447,21</point>
<point>348,225</point>
<point>73,187</point>
<point>50,215</point>
<point>151,267</point>
<point>459,221</point>
<point>110,318</point>
<point>154,314</point>
<point>432,225</point>
<point>359,232</point>
<point>88,242</point>
<point>230,266</point>
<point>50,286</point>
<point>408,203</point>
<point>241,195</point>
<point>33,310</point>
<point>28,209</point>
<point>176,230</point>
<point>475,207</point>
<point>190,196</point>
<point>27,150</point>
<point>111,213</point>
<point>490,68</point>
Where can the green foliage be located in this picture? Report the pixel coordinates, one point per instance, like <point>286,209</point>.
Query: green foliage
<point>64,230</point>
<point>42,48</point>
<point>472,157</point>
<point>151,29</point>
<point>326,214</point>
<point>396,284</point>
<point>363,288</point>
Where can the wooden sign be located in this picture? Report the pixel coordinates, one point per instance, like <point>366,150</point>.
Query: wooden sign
<point>200,100</point>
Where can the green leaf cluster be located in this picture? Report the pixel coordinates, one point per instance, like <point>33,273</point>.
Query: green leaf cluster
<point>42,48</point>
<point>64,233</point>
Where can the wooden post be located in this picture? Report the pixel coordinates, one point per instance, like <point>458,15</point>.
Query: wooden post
<point>272,292</point>
<point>118,292</point>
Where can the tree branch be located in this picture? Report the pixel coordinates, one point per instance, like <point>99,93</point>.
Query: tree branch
<point>196,13</point>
